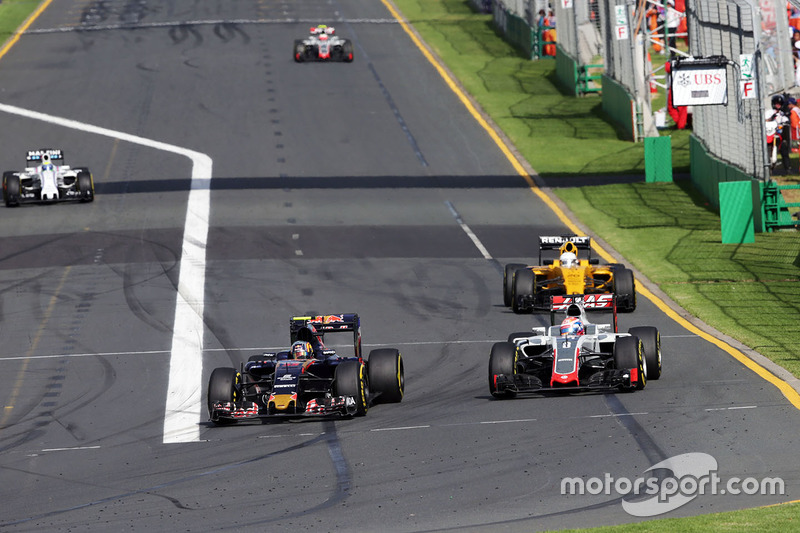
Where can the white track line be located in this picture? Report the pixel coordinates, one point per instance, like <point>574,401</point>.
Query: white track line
<point>183,406</point>
<point>474,238</point>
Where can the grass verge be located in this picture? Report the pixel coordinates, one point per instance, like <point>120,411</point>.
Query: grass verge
<point>12,14</point>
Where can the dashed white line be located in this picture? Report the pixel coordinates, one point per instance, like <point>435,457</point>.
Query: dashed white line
<point>403,428</point>
<point>736,408</point>
<point>615,415</point>
<point>474,238</point>
<point>509,421</point>
<point>71,449</point>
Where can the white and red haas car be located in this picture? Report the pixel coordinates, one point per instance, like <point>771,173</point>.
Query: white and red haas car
<point>322,44</point>
<point>574,354</point>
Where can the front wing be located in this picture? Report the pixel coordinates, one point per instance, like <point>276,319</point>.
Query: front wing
<point>604,380</point>
<point>333,406</point>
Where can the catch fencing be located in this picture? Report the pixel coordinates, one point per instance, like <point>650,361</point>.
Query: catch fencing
<point>729,141</point>
<point>626,94</point>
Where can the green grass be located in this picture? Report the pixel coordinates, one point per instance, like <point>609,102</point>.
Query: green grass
<point>12,14</point>
<point>763,520</point>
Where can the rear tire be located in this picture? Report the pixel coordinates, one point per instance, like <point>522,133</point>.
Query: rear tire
<point>523,286</point>
<point>386,375</point>
<point>651,345</point>
<point>11,189</point>
<point>502,360</point>
<point>350,379</point>
<point>222,388</point>
<point>625,289</point>
<point>508,281</point>
<point>628,354</point>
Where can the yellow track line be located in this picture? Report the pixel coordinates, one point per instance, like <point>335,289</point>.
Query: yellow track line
<point>786,389</point>
<point>25,25</point>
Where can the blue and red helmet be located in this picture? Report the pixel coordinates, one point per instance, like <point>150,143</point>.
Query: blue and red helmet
<point>302,350</point>
<point>572,325</point>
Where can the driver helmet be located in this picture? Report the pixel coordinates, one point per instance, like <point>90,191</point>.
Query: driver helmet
<point>572,325</point>
<point>302,350</point>
<point>568,260</point>
<point>778,100</point>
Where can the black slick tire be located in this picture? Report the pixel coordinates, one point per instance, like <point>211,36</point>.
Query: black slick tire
<point>222,388</point>
<point>628,354</point>
<point>386,375</point>
<point>508,281</point>
<point>651,344</point>
<point>350,379</point>
<point>502,360</point>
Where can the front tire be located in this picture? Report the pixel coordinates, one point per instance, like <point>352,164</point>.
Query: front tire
<point>347,52</point>
<point>11,189</point>
<point>299,51</point>
<point>508,281</point>
<point>502,360</point>
<point>628,354</point>
<point>85,185</point>
<point>386,375</point>
<point>651,345</point>
<point>222,387</point>
<point>350,379</point>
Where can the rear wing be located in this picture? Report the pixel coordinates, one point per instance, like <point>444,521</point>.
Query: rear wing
<point>555,242</point>
<point>319,325</point>
<point>37,156</point>
<point>573,304</point>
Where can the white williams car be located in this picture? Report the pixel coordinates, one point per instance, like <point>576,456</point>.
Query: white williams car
<point>47,179</point>
<point>322,44</point>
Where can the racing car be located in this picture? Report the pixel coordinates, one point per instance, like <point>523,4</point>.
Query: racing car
<point>575,354</point>
<point>47,179</point>
<point>310,379</point>
<point>527,288</point>
<point>322,44</point>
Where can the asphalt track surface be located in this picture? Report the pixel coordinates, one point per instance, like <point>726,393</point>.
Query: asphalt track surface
<point>336,188</point>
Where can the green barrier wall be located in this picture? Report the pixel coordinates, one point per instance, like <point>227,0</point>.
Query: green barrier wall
<point>620,106</point>
<point>736,212</point>
<point>515,30</point>
<point>567,71</point>
<point>708,172</point>
<point>658,159</point>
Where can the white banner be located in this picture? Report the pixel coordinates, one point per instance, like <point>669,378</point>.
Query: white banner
<point>699,85</point>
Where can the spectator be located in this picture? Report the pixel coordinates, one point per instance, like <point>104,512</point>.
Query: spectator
<point>673,21</point>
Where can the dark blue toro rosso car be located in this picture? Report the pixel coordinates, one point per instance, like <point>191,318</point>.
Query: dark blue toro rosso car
<point>309,379</point>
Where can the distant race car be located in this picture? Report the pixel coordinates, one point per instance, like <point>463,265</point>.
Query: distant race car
<point>308,379</point>
<point>47,179</point>
<point>574,354</point>
<point>527,288</point>
<point>323,44</point>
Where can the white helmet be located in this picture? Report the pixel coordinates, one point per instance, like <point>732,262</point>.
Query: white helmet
<point>568,260</point>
